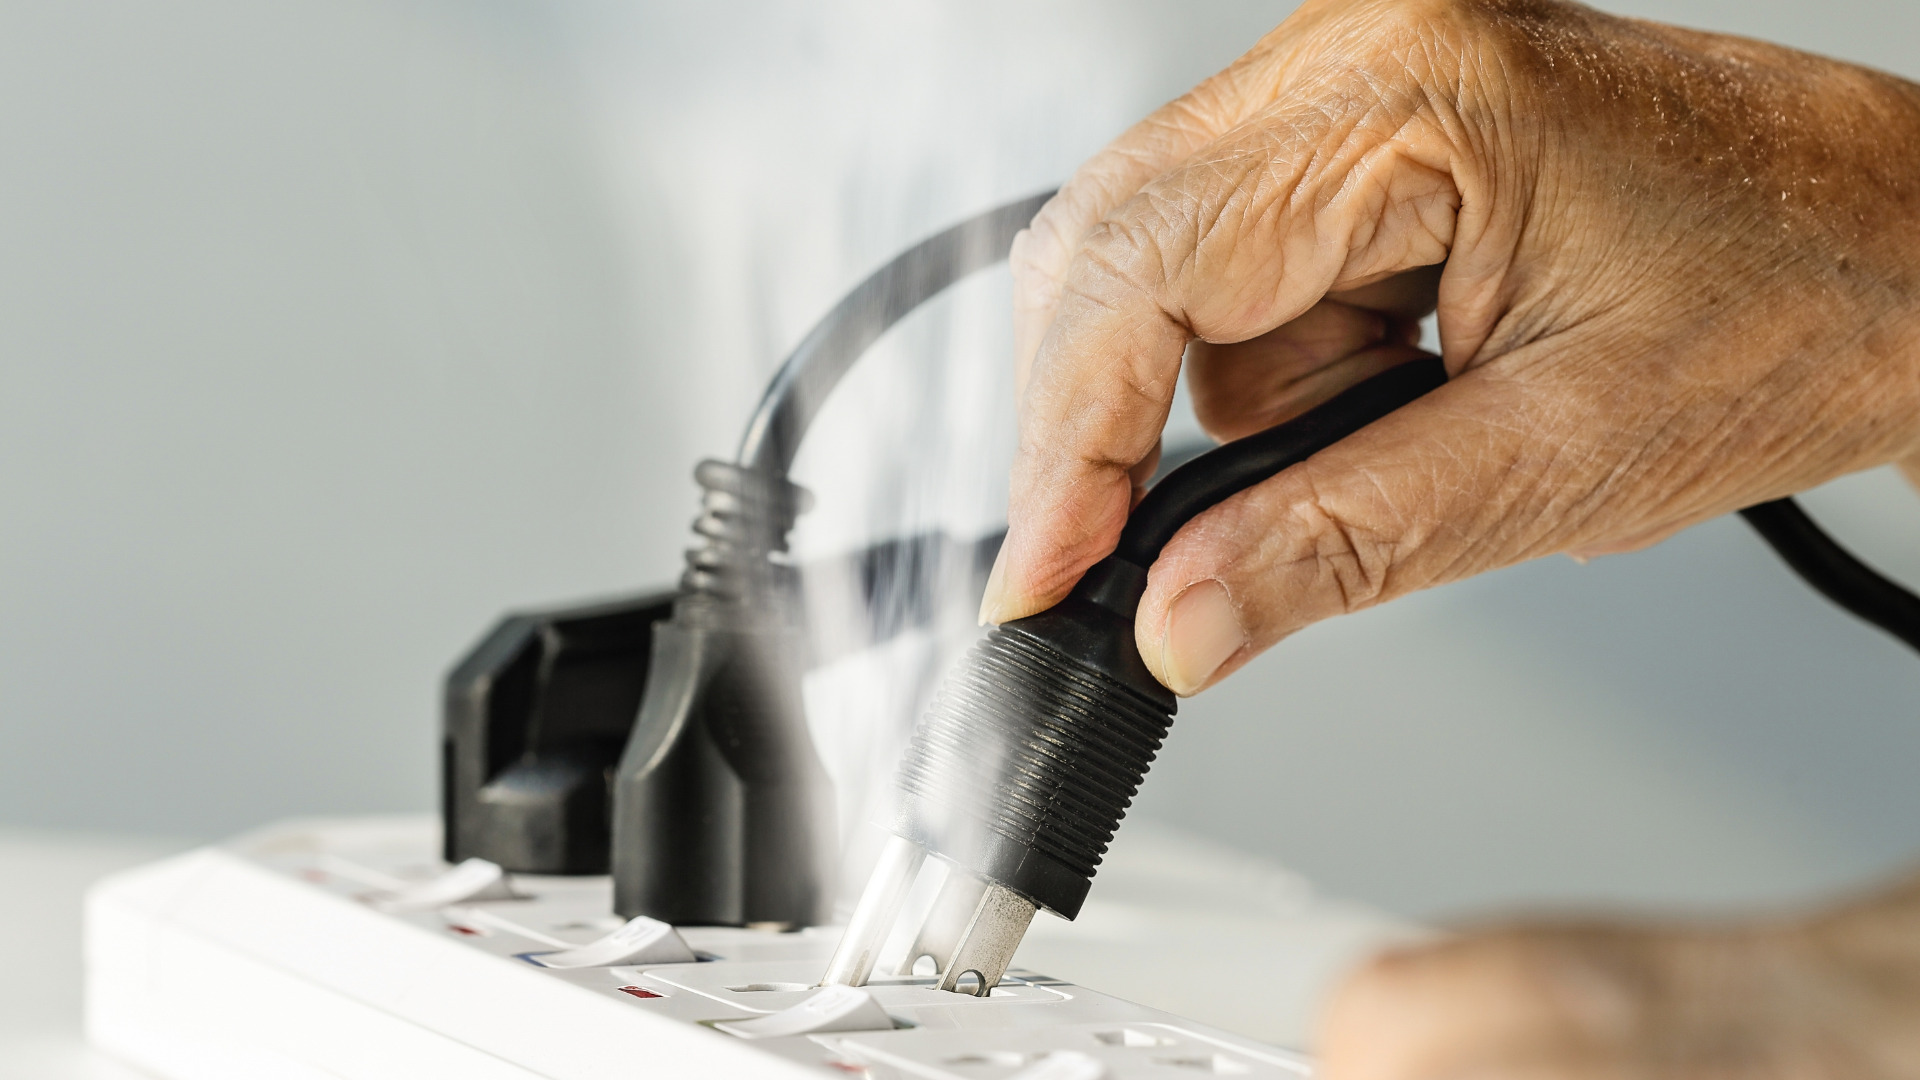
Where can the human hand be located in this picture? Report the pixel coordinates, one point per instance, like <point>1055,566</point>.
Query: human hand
<point>1828,997</point>
<point>1679,279</point>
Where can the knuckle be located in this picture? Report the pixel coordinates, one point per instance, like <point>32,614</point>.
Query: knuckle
<point>1153,243</point>
<point>1043,251</point>
<point>1123,270</point>
<point>1431,14</point>
<point>1354,543</point>
<point>1123,245</point>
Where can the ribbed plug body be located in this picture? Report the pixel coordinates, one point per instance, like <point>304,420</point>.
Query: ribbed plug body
<point>1031,751</point>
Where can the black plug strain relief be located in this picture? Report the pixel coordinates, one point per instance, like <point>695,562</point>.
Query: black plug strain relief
<point>744,520</point>
<point>1115,584</point>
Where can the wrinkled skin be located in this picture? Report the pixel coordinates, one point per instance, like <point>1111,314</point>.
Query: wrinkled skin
<point>1681,276</point>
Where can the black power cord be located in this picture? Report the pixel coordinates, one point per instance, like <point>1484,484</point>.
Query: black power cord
<point>1217,474</point>
<point>1834,572</point>
<point>888,295</point>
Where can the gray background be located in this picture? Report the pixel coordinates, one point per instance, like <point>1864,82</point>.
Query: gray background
<point>329,330</point>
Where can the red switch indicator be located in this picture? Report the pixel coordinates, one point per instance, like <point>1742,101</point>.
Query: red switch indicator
<point>639,992</point>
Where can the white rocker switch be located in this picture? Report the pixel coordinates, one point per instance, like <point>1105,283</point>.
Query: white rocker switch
<point>472,880</point>
<point>641,941</point>
<point>832,1008</point>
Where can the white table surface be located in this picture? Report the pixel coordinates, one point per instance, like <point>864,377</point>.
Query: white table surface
<point>1174,921</point>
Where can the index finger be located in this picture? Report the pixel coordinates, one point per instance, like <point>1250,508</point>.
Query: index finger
<point>1043,251</point>
<point>1248,234</point>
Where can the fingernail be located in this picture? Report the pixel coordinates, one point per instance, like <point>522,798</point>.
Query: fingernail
<point>1203,632</point>
<point>996,585</point>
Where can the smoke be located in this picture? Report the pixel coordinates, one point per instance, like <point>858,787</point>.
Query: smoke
<point>764,158</point>
<point>912,451</point>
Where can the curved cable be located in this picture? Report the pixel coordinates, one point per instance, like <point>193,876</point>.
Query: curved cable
<point>1218,474</point>
<point>1834,572</point>
<point>915,276</point>
<point>1242,463</point>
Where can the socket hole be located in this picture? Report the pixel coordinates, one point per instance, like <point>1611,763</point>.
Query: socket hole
<point>925,964</point>
<point>768,987</point>
<point>1131,1037</point>
<point>1004,1059</point>
<point>970,983</point>
<point>1217,1064</point>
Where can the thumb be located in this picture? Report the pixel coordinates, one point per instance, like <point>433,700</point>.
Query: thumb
<point>1214,250</point>
<point>1482,472</point>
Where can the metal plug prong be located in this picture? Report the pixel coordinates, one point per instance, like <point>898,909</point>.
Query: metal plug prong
<point>874,916</point>
<point>986,947</point>
<point>952,911</point>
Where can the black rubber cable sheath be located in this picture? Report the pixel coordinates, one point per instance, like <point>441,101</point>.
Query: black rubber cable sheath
<point>1242,463</point>
<point>889,294</point>
<point>1834,572</point>
<point>1219,474</point>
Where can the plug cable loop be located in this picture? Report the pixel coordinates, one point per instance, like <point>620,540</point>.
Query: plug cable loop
<point>889,294</point>
<point>1834,572</point>
<point>1228,470</point>
<point>748,506</point>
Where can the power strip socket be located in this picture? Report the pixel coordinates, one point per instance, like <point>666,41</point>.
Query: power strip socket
<point>270,956</point>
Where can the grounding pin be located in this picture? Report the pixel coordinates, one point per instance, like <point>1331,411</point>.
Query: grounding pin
<point>986,946</point>
<point>873,917</point>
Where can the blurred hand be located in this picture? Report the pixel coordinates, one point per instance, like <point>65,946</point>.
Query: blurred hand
<point>1680,277</point>
<point>1828,998</point>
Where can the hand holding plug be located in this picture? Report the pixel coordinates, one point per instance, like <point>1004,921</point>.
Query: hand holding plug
<point>1671,271</point>
<point>1673,277</point>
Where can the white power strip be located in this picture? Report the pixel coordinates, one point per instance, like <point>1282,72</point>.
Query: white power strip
<point>267,957</point>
